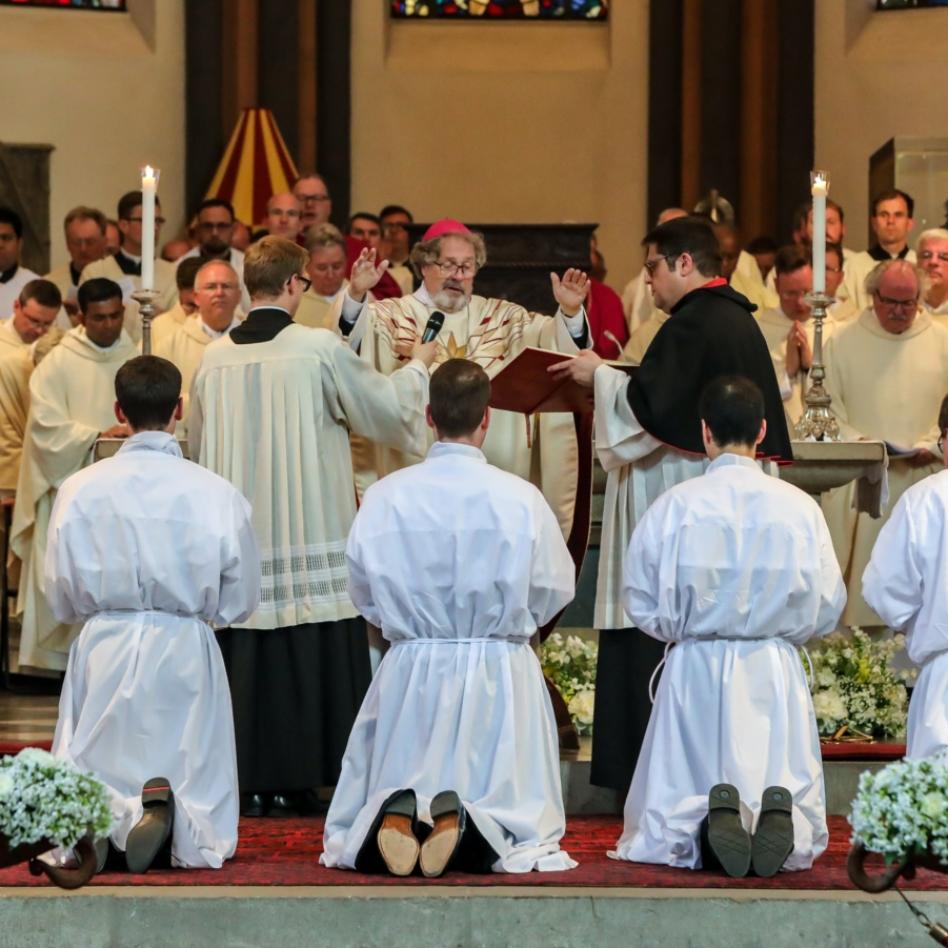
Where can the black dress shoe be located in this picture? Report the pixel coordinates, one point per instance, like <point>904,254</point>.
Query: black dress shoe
<point>725,841</point>
<point>153,830</point>
<point>773,841</point>
<point>254,804</point>
<point>439,848</point>
<point>284,804</point>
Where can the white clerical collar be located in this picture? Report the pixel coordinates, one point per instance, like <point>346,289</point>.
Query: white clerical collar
<point>441,449</point>
<point>152,441</point>
<point>99,348</point>
<point>131,256</point>
<point>214,333</point>
<point>732,460</point>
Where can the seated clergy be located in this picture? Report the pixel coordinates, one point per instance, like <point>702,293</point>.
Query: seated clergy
<point>327,274</point>
<point>906,582</point>
<point>217,293</point>
<point>147,549</point>
<point>933,259</point>
<point>71,398</point>
<point>886,372</point>
<point>458,563</point>
<point>85,240</point>
<point>733,569</point>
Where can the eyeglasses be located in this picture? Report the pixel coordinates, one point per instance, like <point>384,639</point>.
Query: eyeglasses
<point>215,225</point>
<point>907,306</point>
<point>279,212</point>
<point>137,220</point>
<point>792,294</point>
<point>312,198</point>
<point>927,255</point>
<point>450,267</point>
<point>652,265</point>
<point>306,281</point>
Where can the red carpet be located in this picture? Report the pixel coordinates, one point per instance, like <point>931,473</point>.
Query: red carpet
<point>286,852</point>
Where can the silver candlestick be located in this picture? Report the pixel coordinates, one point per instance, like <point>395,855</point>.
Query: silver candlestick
<point>817,422</point>
<point>146,300</point>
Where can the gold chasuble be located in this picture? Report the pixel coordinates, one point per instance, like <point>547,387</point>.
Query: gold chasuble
<point>490,332</point>
<point>72,393</point>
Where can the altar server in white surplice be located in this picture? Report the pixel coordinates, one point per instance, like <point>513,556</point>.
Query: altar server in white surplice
<point>734,569</point>
<point>147,549</point>
<point>906,582</point>
<point>71,399</point>
<point>458,563</point>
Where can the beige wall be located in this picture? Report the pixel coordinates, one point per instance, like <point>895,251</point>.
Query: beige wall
<point>878,76</point>
<point>107,91</point>
<point>504,123</point>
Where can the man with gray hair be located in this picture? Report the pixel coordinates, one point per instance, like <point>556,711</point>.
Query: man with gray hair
<point>933,259</point>
<point>487,331</point>
<point>85,240</point>
<point>887,372</point>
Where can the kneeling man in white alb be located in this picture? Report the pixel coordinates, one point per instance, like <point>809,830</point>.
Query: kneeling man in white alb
<point>149,550</point>
<point>453,761</point>
<point>735,569</point>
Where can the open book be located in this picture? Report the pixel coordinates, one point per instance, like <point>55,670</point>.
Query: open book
<point>524,385</point>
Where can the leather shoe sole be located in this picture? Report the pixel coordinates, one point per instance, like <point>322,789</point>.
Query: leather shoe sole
<point>729,842</point>
<point>152,831</point>
<point>395,838</point>
<point>773,841</point>
<point>449,818</point>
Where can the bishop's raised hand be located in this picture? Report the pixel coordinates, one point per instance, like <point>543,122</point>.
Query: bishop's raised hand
<point>570,291</point>
<point>365,274</point>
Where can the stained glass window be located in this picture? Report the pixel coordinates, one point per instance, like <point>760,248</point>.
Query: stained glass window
<point>501,9</point>
<point>113,5</point>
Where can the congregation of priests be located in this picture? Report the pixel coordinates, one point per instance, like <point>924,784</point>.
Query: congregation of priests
<point>309,426</point>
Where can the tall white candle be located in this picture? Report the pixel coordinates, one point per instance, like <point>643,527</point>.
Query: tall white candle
<point>819,186</point>
<point>149,188</point>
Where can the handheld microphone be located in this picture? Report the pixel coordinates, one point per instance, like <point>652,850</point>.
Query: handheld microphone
<point>435,322</point>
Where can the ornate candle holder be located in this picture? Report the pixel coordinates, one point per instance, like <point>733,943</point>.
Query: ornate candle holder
<point>146,300</point>
<point>817,422</point>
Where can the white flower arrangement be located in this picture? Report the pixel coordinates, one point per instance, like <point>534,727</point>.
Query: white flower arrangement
<point>42,797</point>
<point>901,810</point>
<point>856,692</point>
<point>570,664</point>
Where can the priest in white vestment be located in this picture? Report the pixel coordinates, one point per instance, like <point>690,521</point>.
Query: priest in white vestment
<point>933,259</point>
<point>733,570</point>
<point>125,267</point>
<point>887,372</point>
<point>486,331</point>
<point>789,330</point>
<point>13,275</point>
<point>327,270</point>
<point>71,399</point>
<point>648,438</point>
<point>906,583</point>
<point>148,551</point>
<point>271,409</point>
<point>34,313</point>
<point>458,563</point>
<point>164,324</point>
<point>216,294</point>
<point>84,229</point>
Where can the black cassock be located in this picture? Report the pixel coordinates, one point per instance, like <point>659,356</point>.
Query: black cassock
<point>711,332</point>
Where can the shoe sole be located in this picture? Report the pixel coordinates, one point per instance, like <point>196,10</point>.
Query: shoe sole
<point>773,842</point>
<point>440,846</point>
<point>397,844</point>
<point>728,839</point>
<point>143,845</point>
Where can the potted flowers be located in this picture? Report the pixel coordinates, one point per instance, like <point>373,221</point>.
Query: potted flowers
<point>44,803</point>
<point>900,812</point>
<point>570,664</point>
